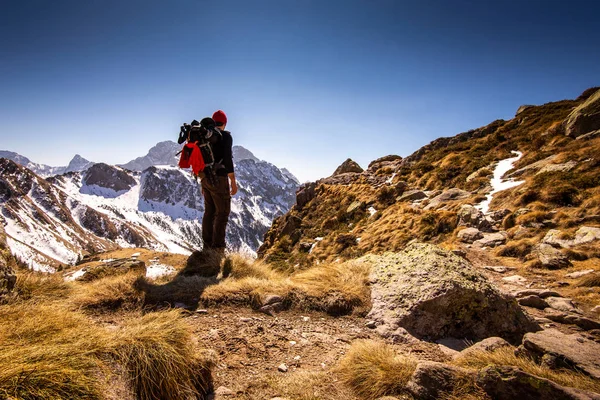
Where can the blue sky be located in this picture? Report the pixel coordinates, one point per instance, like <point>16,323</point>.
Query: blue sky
<point>306,84</point>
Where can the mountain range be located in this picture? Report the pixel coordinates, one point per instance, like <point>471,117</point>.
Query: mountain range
<point>89,207</point>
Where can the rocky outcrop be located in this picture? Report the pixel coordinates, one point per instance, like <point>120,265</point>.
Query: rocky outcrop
<point>510,383</point>
<point>433,293</point>
<point>523,108</point>
<point>305,194</point>
<point>348,166</point>
<point>584,235</point>
<point>7,279</point>
<point>384,161</point>
<point>469,235</point>
<point>564,351</point>
<point>448,195</point>
<point>550,258</point>
<point>108,177</point>
<point>585,118</point>
<point>471,216</point>
<point>433,379</point>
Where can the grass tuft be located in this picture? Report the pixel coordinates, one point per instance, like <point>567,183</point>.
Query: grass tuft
<point>372,369</point>
<point>592,280</point>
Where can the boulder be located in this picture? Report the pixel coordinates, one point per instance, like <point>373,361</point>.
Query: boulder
<point>448,195</point>
<point>489,344</point>
<point>542,293</point>
<point>433,293</point>
<point>348,166</point>
<point>585,118</point>
<point>573,351</point>
<point>432,379</point>
<point>412,195</point>
<point>7,279</point>
<point>584,235</point>
<point>378,163</point>
<point>469,215</point>
<point>491,239</point>
<point>584,323</point>
<point>523,108</point>
<point>550,258</point>
<point>305,194</point>
<point>469,235</point>
<point>562,304</point>
<point>510,383</point>
<point>533,301</point>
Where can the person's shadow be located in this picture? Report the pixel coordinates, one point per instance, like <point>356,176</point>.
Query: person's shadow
<point>185,289</point>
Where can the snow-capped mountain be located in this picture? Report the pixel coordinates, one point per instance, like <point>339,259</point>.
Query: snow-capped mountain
<point>52,221</point>
<point>78,163</point>
<point>164,153</point>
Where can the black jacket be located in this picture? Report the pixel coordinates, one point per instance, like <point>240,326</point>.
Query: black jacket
<point>223,154</point>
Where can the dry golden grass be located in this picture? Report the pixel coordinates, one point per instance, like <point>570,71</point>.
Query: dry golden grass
<point>592,280</point>
<point>373,369</point>
<point>159,353</point>
<point>506,356</point>
<point>37,285</point>
<point>108,293</point>
<point>336,288</point>
<point>48,351</point>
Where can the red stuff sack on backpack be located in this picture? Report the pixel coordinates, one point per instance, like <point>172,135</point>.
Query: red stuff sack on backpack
<point>191,156</point>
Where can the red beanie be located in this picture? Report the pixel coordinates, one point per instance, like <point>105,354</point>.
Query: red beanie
<point>220,117</point>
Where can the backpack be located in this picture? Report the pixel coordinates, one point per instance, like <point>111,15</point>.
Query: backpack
<point>198,153</point>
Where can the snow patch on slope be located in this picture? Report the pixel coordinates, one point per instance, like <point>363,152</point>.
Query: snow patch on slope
<point>498,184</point>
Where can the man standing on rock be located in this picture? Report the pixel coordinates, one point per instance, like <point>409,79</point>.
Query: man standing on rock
<point>217,194</point>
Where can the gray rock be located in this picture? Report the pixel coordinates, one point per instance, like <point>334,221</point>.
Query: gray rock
<point>433,293</point>
<point>348,166</point>
<point>523,108</point>
<point>562,304</point>
<point>584,323</point>
<point>574,351</point>
<point>516,279</point>
<point>471,216</point>
<point>378,163</point>
<point>542,293</point>
<point>566,167</point>
<point>432,379</point>
<point>448,195</point>
<point>469,235</point>
<point>282,368</point>
<point>585,118</point>
<point>490,344</point>
<point>498,268</point>
<point>579,274</point>
<point>491,239</point>
<point>584,235</point>
<point>532,167</point>
<point>550,258</point>
<point>7,279</point>
<point>533,301</point>
<point>510,383</point>
<point>412,195</point>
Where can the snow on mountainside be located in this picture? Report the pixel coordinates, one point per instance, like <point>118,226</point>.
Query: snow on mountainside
<point>161,154</point>
<point>52,221</point>
<point>78,163</point>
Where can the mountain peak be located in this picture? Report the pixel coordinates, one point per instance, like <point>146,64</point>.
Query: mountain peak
<point>78,163</point>
<point>241,153</point>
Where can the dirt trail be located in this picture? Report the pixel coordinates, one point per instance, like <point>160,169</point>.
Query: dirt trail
<point>251,345</point>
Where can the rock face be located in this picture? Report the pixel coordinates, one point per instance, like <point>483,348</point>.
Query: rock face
<point>348,166</point>
<point>571,351</point>
<point>432,379</point>
<point>585,118</point>
<point>510,383</point>
<point>7,279</point>
<point>108,177</point>
<point>432,293</point>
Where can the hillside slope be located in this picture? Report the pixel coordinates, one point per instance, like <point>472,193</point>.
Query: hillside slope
<point>426,194</point>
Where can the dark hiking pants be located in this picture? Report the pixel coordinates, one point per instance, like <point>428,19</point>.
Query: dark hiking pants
<point>217,205</point>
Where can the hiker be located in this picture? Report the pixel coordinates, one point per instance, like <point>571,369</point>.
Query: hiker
<point>217,194</point>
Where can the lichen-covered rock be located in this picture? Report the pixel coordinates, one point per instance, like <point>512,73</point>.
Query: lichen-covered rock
<point>348,166</point>
<point>584,235</point>
<point>585,118</point>
<point>510,383</point>
<point>551,258</point>
<point>432,293</point>
<point>573,351</point>
<point>471,216</point>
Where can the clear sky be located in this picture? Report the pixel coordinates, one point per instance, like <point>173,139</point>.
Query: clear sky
<point>306,84</point>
